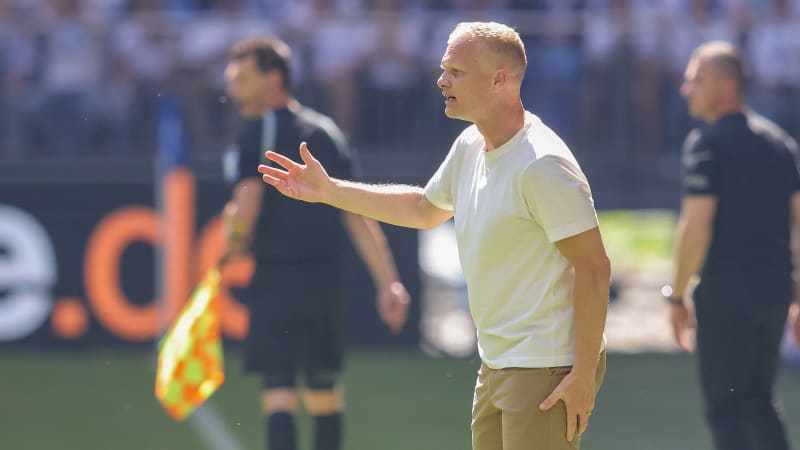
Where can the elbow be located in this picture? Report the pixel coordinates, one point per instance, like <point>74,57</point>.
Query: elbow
<point>429,216</point>
<point>597,264</point>
<point>598,270</point>
<point>427,223</point>
<point>602,269</point>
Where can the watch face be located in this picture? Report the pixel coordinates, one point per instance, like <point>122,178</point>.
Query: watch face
<point>666,291</point>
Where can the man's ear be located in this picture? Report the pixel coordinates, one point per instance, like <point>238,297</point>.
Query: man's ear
<point>500,78</point>
<point>732,87</point>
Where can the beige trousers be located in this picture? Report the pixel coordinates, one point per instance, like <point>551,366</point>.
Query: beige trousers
<point>505,409</point>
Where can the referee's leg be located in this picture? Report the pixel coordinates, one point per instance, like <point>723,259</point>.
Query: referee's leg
<point>325,402</point>
<point>761,409</point>
<point>323,396</point>
<point>738,335</point>
<point>724,352</point>
<point>280,404</point>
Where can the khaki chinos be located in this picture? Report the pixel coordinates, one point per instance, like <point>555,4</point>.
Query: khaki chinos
<point>505,409</point>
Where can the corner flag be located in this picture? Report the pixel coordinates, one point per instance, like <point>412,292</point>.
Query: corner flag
<point>190,357</point>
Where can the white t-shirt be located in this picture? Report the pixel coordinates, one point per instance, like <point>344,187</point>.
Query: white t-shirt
<point>510,205</point>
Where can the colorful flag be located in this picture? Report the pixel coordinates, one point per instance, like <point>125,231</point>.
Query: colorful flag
<point>190,361</point>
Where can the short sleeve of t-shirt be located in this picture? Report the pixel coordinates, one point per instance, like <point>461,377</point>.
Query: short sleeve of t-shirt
<point>698,166</point>
<point>439,189</point>
<point>558,197</point>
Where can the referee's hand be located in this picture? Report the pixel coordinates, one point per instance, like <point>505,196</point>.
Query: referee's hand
<point>393,301</point>
<point>683,326</point>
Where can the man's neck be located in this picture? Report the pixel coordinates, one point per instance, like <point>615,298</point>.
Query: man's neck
<point>500,128</point>
<point>732,107</point>
<point>281,101</point>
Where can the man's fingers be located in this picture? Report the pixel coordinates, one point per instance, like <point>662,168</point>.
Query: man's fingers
<point>305,154</point>
<point>678,325</point>
<point>583,422</point>
<point>272,171</point>
<point>272,181</point>
<point>687,340</point>
<point>549,401</point>
<point>572,422</point>
<point>281,160</point>
<point>394,313</point>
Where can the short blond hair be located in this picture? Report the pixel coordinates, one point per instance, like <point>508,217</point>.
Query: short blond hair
<point>499,39</point>
<point>724,58</point>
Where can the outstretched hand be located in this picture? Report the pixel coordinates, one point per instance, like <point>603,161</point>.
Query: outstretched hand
<point>307,182</point>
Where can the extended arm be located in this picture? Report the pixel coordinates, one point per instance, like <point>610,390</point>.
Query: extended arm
<point>401,205</point>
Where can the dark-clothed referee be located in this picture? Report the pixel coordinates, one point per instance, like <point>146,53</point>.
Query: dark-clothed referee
<point>294,298</point>
<point>741,206</point>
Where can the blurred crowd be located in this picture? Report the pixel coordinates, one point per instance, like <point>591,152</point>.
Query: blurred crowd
<point>84,77</point>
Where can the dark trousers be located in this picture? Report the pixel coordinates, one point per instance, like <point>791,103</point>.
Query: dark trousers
<point>740,323</point>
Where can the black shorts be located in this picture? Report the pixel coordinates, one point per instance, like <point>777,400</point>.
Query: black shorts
<point>295,326</point>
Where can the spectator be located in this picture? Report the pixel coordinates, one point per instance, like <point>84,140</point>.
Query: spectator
<point>774,54</point>
<point>72,68</point>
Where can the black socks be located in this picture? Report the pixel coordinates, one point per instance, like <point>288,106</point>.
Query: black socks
<point>327,432</point>
<point>280,431</point>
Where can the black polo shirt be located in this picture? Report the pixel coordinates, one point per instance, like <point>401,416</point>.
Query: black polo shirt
<point>291,232</point>
<point>749,164</point>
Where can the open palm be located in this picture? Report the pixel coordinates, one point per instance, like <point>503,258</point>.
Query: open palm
<point>305,182</point>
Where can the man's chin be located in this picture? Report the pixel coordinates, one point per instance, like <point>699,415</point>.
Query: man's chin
<point>454,116</point>
<point>694,112</point>
<point>248,113</point>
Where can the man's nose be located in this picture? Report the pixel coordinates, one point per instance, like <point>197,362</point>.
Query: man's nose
<point>685,88</point>
<point>442,81</point>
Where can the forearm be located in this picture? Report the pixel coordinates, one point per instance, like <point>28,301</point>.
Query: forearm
<point>242,211</point>
<point>690,253</point>
<point>795,249</point>
<point>794,243</point>
<point>396,204</point>
<point>370,243</point>
<point>590,305</point>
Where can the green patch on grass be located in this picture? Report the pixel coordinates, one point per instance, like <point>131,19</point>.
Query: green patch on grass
<point>638,239</point>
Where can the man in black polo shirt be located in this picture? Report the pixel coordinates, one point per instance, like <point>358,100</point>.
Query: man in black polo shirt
<point>740,210</point>
<point>295,309</point>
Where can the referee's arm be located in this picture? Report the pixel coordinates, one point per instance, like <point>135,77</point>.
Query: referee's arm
<point>240,214</point>
<point>795,245</point>
<point>692,238</point>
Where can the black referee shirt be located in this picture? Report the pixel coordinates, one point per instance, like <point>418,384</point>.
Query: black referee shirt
<point>290,232</point>
<point>749,164</point>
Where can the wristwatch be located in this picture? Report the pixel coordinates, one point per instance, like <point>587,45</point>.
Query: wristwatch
<point>669,295</point>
